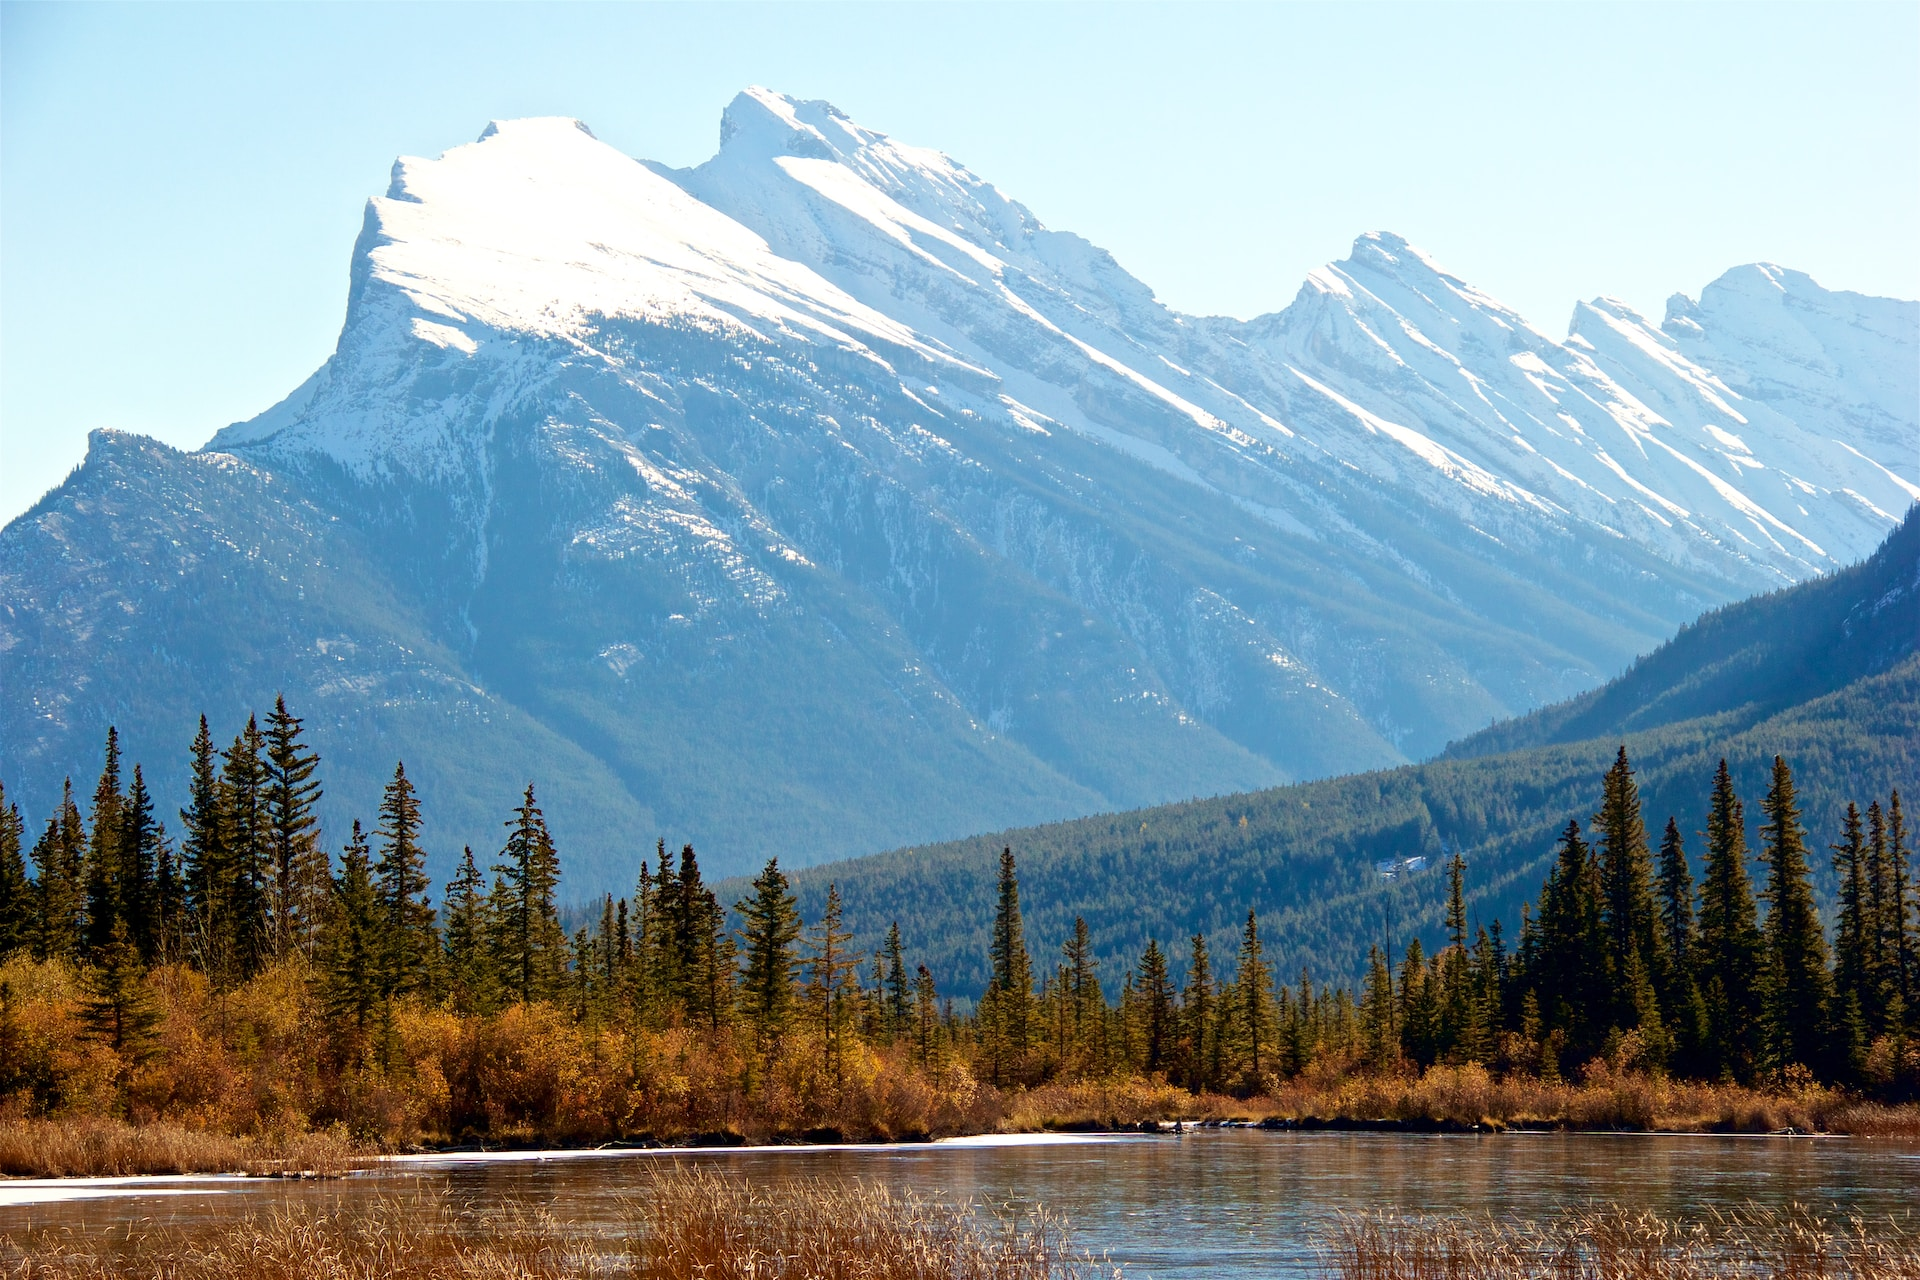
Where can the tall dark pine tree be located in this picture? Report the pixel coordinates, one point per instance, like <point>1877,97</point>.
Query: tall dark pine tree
<point>832,981</point>
<point>60,891</point>
<point>469,968</point>
<point>352,951</point>
<point>117,1009</point>
<point>771,927</point>
<point>1198,1050</point>
<point>102,862</point>
<point>1901,908</point>
<point>142,849</point>
<point>1679,990</point>
<point>1855,993</point>
<point>16,890</point>
<point>400,876</point>
<point>206,867</point>
<point>243,784</point>
<point>297,875</point>
<point>1568,970</point>
<point>1154,989</point>
<point>1006,1009</point>
<point>1728,948</point>
<point>1635,956</point>
<point>897,991</point>
<point>1798,988</point>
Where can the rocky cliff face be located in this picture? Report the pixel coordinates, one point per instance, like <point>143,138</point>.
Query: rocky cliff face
<point>819,499</point>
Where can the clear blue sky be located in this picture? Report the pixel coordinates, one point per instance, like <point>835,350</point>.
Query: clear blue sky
<point>180,185</point>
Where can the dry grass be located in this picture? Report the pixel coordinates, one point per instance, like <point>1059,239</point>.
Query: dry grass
<point>91,1147</point>
<point>1792,1244</point>
<point>687,1224</point>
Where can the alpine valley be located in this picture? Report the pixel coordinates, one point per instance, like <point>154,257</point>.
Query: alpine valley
<point>820,500</point>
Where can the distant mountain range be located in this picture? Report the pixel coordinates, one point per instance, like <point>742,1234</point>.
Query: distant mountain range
<point>1826,673</point>
<point>819,500</point>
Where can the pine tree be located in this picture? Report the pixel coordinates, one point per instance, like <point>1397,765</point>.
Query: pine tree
<point>1006,1009</point>
<point>898,997</point>
<point>102,864</point>
<point>1633,936</point>
<point>1379,1034</point>
<point>60,900</point>
<point>772,926</point>
<point>926,1018</point>
<point>142,851</point>
<point>1568,970</point>
<point>536,945</point>
<point>1153,987</point>
<point>1199,1053</point>
<point>1729,945</point>
<point>400,880</point>
<point>1418,1008</point>
<point>243,782</point>
<point>352,949</point>
<point>206,868</point>
<point>831,979</point>
<point>469,962</point>
<point>1798,989</point>
<point>117,1009</point>
<point>1253,1007</point>
<point>16,891</point>
<point>1855,993</point>
<point>1085,1008</point>
<point>297,867</point>
<point>1679,991</point>
<point>1904,929</point>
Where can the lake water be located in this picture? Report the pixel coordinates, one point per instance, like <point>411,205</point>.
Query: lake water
<point>1212,1203</point>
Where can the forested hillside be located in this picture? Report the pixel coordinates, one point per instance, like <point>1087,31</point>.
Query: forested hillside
<point>1825,674</point>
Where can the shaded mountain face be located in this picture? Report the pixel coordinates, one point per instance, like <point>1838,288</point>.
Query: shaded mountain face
<point>819,499</point>
<point>1826,673</point>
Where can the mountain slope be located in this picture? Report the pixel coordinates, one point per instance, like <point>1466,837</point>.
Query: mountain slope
<point>819,499</point>
<point>1304,856</point>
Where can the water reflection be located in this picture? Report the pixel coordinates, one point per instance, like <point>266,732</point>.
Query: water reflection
<point>1216,1204</point>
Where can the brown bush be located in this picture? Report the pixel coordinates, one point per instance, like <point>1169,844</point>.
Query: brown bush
<point>93,1147</point>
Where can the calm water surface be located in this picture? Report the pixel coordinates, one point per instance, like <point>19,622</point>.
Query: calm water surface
<point>1234,1204</point>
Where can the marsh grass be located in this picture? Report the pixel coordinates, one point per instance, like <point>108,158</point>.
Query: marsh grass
<point>88,1146</point>
<point>1614,1244</point>
<point>685,1224</point>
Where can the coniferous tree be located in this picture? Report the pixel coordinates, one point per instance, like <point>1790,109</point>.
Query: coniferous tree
<point>1567,970</point>
<point>1199,1050</point>
<point>206,868</point>
<point>1153,987</point>
<point>1798,990</point>
<point>832,980</point>
<point>59,898</point>
<point>464,933</point>
<point>897,991</point>
<point>102,864</point>
<point>1855,993</point>
<point>117,1009</point>
<point>16,890</point>
<point>1419,1008</point>
<point>1729,945</point>
<point>353,951</point>
<point>1084,1006</point>
<point>1901,909</point>
<point>400,882</point>
<point>1006,1009</point>
<point>142,852</point>
<point>1635,956</point>
<point>243,784</point>
<point>1252,1015</point>
<point>772,927</point>
<point>926,1018</point>
<point>1679,991</point>
<point>1379,1026</point>
<point>297,875</point>
<point>536,946</point>
<point>705,950</point>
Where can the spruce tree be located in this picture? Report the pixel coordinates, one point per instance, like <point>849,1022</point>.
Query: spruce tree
<point>1006,1009</point>
<point>1901,909</point>
<point>1418,1008</point>
<point>1153,987</point>
<point>142,850</point>
<point>16,890</point>
<point>400,879</point>
<point>1729,945</point>
<point>1253,1006</point>
<point>832,979</point>
<point>1379,1026</point>
<point>1855,993</point>
<point>1568,972</point>
<point>771,927</point>
<point>1634,951</point>
<point>103,858</point>
<point>469,964</point>
<point>353,950</point>
<point>1199,1063</point>
<point>536,945</point>
<point>1085,1007</point>
<point>297,867</point>
<point>926,1018</point>
<point>1798,988</point>
<point>117,1009</point>
<point>60,899</point>
<point>898,992</point>
<point>206,868</point>
<point>243,781</point>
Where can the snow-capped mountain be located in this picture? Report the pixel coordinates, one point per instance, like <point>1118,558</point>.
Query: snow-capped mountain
<point>819,498</point>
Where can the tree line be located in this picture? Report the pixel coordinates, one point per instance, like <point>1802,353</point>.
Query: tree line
<point>1625,955</point>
